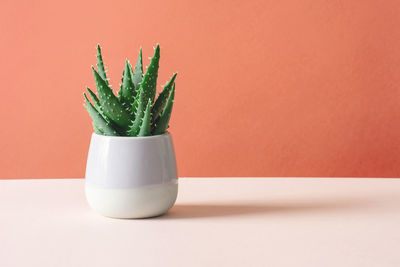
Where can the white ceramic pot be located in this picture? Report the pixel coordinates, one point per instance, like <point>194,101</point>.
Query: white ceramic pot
<point>131,177</point>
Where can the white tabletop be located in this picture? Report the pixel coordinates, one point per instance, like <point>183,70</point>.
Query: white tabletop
<point>215,222</point>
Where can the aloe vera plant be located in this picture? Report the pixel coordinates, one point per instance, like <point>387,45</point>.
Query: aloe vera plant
<point>135,110</point>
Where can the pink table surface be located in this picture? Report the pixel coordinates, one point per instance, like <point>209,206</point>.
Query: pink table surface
<point>215,222</point>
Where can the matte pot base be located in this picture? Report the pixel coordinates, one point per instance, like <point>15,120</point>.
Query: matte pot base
<point>132,203</point>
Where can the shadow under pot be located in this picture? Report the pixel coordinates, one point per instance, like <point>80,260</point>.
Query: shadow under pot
<point>131,177</point>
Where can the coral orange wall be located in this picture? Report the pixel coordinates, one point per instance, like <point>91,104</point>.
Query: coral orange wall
<point>265,88</point>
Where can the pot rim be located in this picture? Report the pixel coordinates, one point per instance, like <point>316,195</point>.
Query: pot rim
<point>132,137</point>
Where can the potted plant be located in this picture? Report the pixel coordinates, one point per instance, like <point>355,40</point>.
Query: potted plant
<point>131,167</point>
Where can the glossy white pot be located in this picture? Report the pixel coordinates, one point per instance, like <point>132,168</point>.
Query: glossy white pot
<point>131,177</point>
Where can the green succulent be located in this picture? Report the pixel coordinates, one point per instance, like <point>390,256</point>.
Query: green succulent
<point>133,112</point>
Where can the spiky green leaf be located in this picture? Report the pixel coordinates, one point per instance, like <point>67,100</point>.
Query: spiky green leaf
<point>145,128</point>
<point>100,65</point>
<point>110,104</point>
<point>136,86</point>
<point>135,103</point>
<point>137,75</point>
<point>149,82</point>
<point>161,123</point>
<point>134,128</point>
<point>101,126</point>
<point>127,90</point>
<point>96,129</point>
<point>163,97</point>
<point>96,101</point>
<point>100,110</point>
